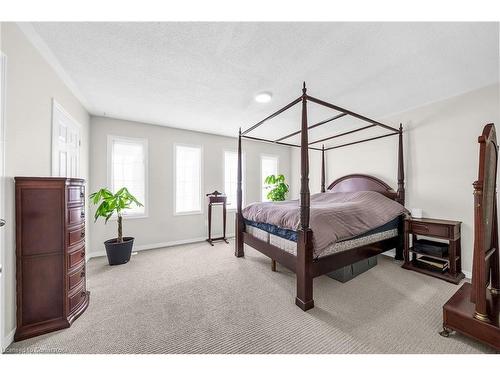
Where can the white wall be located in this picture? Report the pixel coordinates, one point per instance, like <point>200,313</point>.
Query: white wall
<point>31,86</point>
<point>441,158</point>
<point>162,227</point>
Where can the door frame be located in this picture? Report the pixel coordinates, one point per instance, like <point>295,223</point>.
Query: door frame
<point>3,107</point>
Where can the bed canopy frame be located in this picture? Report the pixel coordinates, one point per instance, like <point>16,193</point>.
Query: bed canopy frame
<point>305,267</point>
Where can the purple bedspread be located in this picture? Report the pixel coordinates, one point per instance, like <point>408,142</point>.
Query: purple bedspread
<point>334,216</point>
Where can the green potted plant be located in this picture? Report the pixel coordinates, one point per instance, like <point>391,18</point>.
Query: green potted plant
<point>278,188</point>
<point>118,249</point>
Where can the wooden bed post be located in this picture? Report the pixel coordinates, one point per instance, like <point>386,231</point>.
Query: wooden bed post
<point>238,251</point>
<point>400,195</point>
<point>323,169</point>
<point>303,270</point>
<point>401,169</point>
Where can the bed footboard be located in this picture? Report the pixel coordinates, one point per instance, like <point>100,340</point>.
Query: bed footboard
<point>275,253</point>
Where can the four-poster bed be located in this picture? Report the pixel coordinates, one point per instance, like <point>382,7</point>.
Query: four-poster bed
<point>303,260</point>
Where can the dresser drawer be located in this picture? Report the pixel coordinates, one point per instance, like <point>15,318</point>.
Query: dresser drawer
<point>76,195</point>
<point>75,299</point>
<point>75,278</point>
<point>428,229</point>
<point>76,235</point>
<point>76,215</point>
<point>76,257</point>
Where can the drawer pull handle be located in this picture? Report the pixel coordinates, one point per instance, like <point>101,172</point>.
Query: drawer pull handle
<point>82,274</point>
<point>82,194</point>
<point>82,294</point>
<point>82,214</point>
<point>82,234</point>
<point>82,254</point>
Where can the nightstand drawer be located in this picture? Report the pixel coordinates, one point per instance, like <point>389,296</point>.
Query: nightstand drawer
<point>428,229</point>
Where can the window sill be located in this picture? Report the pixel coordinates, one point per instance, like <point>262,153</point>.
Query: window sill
<point>129,217</point>
<point>188,213</point>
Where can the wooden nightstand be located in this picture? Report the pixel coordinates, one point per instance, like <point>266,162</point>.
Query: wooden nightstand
<point>434,228</point>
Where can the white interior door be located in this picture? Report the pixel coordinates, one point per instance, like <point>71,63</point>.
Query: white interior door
<point>65,143</point>
<point>3,75</point>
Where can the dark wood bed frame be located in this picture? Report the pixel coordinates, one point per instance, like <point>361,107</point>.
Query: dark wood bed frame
<point>304,265</point>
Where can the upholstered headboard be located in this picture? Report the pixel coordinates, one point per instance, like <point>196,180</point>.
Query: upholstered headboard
<point>362,182</point>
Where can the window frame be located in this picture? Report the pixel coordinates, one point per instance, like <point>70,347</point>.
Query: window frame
<point>243,182</point>
<point>144,141</point>
<point>261,187</point>
<point>174,179</point>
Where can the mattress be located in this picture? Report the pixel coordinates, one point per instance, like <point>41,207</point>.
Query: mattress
<point>287,240</point>
<point>333,216</point>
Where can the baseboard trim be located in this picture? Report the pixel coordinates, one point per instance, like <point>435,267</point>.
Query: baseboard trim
<point>153,246</point>
<point>392,254</point>
<point>7,340</point>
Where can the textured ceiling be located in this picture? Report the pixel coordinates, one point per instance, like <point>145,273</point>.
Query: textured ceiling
<point>203,76</point>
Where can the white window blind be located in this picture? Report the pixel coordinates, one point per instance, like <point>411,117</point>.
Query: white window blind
<point>268,166</point>
<point>231,178</point>
<point>187,179</point>
<point>128,169</point>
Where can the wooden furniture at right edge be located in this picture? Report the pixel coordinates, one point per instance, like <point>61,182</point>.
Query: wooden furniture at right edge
<point>474,308</point>
<point>50,254</point>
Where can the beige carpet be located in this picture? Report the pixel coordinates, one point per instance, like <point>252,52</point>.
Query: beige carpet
<point>201,299</point>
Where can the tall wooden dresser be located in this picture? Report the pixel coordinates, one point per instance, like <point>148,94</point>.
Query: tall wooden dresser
<point>50,254</point>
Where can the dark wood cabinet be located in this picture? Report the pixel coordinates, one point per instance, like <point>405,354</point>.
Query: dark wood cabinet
<point>435,228</point>
<point>50,254</point>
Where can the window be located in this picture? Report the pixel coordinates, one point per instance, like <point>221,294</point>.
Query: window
<point>268,166</point>
<point>231,178</point>
<point>128,167</point>
<point>187,179</point>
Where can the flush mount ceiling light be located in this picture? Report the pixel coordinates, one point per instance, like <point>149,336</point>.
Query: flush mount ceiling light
<point>263,97</point>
